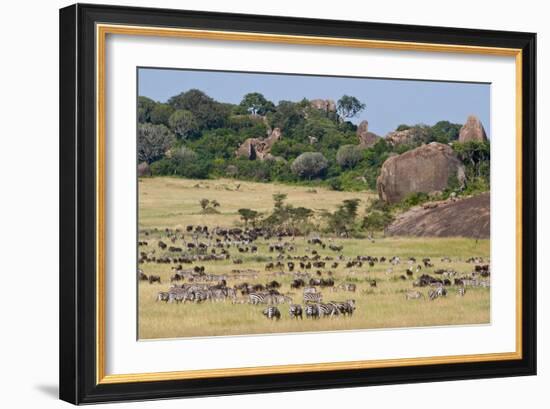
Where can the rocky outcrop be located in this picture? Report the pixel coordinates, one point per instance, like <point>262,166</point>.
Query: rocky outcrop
<point>411,136</point>
<point>143,170</point>
<point>469,217</point>
<point>327,105</point>
<point>427,169</point>
<point>366,138</point>
<point>258,148</point>
<point>472,130</point>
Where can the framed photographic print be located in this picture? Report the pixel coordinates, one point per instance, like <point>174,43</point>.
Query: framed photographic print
<point>257,203</point>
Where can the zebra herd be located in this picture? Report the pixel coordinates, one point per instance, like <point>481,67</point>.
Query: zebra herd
<point>313,306</point>
<point>313,310</point>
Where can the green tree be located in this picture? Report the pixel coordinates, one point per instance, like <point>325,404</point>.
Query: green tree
<point>256,104</point>
<point>309,165</point>
<point>183,124</point>
<point>445,131</point>
<point>348,156</point>
<point>209,113</point>
<point>144,107</point>
<point>248,215</point>
<point>348,106</point>
<point>377,220</point>
<point>343,220</point>
<point>153,141</point>
<point>287,116</point>
<point>161,113</point>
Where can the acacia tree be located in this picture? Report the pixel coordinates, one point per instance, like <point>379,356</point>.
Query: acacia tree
<point>348,106</point>
<point>153,141</point>
<point>256,104</point>
<point>248,215</point>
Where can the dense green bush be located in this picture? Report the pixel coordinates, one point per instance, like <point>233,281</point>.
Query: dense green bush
<point>348,156</point>
<point>309,165</point>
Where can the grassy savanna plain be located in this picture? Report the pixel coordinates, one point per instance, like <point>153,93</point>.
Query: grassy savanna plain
<point>174,203</point>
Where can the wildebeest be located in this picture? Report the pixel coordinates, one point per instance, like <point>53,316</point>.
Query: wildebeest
<point>154,279</point>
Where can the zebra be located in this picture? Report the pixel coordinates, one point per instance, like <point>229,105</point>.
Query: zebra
<point>438,292</point>
<point>295,311</point>
<point>413,295</point>
<point>328,310</point>
<point>258,298</point>
<point>313,297</point>
<point>200,295</point>
<point>344,308</point>
<point>162,296</point>
<point>461,292</point>
<point>272,312</point>
<point>312,311</point>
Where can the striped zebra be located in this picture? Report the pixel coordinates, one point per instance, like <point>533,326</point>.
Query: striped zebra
<point>201,295</point>
<point>312,311</point>
<point>328,310</point>
<point>461,292</point>
<point>258,298</point>
<point>163,296</point>
<point>313,297</point>
<point>272,312</point>
<point>344,307</point>
<point>295,311</point>
<point>436,293</point>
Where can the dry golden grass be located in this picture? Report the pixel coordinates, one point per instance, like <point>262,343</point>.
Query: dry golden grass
<point>174,203</point>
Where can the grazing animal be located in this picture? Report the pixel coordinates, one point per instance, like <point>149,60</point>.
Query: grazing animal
<point>313,297</point>
<point>344,308</point>
<point>154,279</point>
<point>295,311</point>
<point>328,310</point>
<point>272,312</point>
<point>437,292</point>
<point>312,311</point>
<point>163,296</point>
<point>461,292</point>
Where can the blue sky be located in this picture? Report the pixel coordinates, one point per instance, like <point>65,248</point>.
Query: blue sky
<point>389,102</point>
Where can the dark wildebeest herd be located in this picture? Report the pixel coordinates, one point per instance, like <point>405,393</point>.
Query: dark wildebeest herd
<point>311,275</point>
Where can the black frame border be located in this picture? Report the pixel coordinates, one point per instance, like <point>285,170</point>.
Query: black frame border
<point>78,210</point>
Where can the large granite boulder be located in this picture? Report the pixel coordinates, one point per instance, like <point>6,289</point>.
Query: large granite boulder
<point>366,138</point>
<point>470,217</point>
<point>258,148</point>
<point>327,105</point>
<point>427,169</point>
<point>472,130</point>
